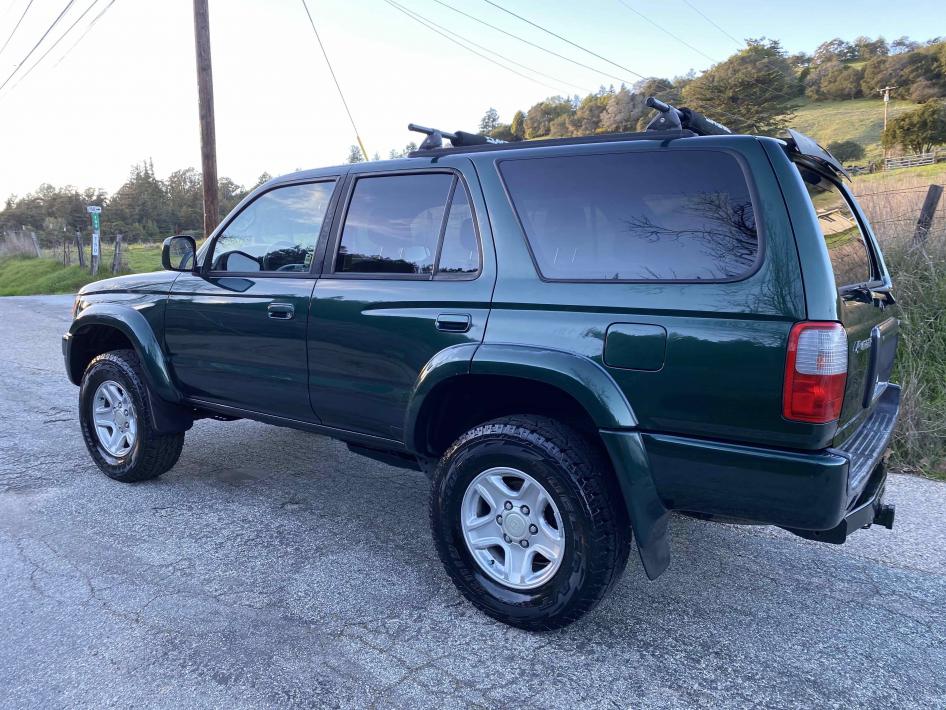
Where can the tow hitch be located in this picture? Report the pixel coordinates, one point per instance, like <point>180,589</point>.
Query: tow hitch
<point>884,515</point>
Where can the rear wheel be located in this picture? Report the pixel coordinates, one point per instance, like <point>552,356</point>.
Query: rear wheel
<point>115,416</point>
<point>527,520</point>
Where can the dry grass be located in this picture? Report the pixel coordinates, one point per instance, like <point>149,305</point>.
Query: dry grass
<point>16,244</point>
<point>919,273</point>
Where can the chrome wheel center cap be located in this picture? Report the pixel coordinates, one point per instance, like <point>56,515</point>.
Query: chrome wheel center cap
<point>120,418</point>
<point>515,525</point>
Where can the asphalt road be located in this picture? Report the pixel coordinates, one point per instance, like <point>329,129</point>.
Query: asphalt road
<point>274,568</point>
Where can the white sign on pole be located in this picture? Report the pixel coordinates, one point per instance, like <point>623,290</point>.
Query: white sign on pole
<point>95,243</point>
<point>93,209</point>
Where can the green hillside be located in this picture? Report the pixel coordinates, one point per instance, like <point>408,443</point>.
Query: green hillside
<point>860,120</point>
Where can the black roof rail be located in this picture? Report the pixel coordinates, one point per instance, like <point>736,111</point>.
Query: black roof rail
<point>651,135</point>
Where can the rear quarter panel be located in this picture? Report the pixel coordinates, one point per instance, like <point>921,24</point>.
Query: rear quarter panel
<point>725,355</point>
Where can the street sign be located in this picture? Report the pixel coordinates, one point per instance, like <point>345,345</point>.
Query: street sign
<point>95,244</point>
<point>93,209</point>
<point>96,221</point>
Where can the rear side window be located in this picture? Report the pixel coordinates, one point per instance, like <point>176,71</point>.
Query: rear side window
<point>649,216</point>
<point>394,223</point>
<point>850,258</point>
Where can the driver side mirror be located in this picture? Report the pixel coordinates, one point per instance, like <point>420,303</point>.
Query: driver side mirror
<point>178,253</point>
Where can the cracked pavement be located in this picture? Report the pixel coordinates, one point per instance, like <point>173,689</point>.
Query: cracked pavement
<point>274,568</point>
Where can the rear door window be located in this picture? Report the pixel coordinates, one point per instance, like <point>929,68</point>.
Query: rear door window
<point>393,224</point>
<point>645,216</point>
<point>847,248</point>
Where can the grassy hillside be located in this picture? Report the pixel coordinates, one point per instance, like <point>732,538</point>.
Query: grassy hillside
<point>860,120</point>
<point>24,276</point>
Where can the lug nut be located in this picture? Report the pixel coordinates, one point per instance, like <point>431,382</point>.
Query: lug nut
<point>507,538</point>
<point>524,543</point>
<point>508,505</point>
<point>525,510</point>
<point>533,529</point>
<point>499,520</point>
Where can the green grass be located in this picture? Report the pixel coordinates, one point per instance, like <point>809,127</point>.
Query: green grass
<point>24,276</point>
<point>860,120</point>
<point>935,173</point>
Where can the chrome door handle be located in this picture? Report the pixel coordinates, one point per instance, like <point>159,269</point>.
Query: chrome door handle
<point>281,311</point>
<point>454,322</point>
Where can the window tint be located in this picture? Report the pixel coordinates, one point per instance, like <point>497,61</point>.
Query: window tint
<point>460,253</point>
<point>277,232</point>
<point>393,224</point>
<point>850,259</point>
<point>669,215</point>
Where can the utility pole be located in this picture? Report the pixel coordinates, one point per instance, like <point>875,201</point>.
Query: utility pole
<point>886,92</point>
<point>205,95</point>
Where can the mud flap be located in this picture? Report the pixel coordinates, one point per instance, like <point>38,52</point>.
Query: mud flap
<point>649,518</point>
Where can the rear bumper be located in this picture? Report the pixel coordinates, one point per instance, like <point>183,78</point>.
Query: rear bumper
<point>834,490</point>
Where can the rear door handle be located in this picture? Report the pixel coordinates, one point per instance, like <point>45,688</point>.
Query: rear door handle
<point>281,311</point>
<point>454,322</point>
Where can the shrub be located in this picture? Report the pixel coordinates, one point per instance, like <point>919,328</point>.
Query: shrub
<point>846,151</point>
<point>919,274</point>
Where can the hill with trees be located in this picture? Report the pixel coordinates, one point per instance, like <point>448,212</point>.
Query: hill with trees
<point>831,94</point>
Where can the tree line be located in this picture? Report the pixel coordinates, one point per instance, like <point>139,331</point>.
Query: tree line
<point>752,91</point>
<point>144,208</point>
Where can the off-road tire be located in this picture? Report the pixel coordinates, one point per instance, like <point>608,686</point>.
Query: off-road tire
<point>152,453</point>
<point>580,479</point>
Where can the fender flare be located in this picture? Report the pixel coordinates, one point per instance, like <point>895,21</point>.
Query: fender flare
<point>136,328</point>
<point>595,390</point>
<point>579,376</point>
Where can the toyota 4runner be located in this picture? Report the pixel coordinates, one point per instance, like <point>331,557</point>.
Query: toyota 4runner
<point>572,337</point>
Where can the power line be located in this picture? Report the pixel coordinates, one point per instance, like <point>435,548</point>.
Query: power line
<point>54,45</point>
<point>433,27</point>
<point>82,36</point>
<point>533,44</point>
<point>559,80</point>
<point>667,32</point>
<point>770,93</point>
<point>563,39</point>
<point>17,25</point>
<point>605,59</point>
<point>335,79</point>
<point>705,17</point>
<point>30,53</point>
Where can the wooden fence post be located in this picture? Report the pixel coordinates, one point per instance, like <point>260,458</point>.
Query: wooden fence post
<point>39,252</point>
<point>79,249</point>
<point>117,256</point>
<point>925,221</point>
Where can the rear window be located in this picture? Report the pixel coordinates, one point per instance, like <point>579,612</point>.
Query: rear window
<point>850,258</point>
<point>649,216</point>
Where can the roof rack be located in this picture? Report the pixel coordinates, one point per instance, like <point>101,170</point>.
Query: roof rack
<point>670,123</point>
<point>543,142</point>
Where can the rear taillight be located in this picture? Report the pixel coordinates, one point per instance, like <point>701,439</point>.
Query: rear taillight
<point>815,372</point>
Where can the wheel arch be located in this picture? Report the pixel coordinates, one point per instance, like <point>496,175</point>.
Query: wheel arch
<point>572,383</point>
<point>101,328</point>
<point>564,386</point>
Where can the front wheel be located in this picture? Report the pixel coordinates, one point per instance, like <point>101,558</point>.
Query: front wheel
<point>527,519</point>
<point>115,416</point>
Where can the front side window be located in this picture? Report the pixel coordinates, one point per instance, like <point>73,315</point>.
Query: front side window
<point>277,232</point>
<point>647,216</point>
<point>850,258</point>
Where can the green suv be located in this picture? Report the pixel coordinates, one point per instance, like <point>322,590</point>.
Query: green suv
<point>573,338</point>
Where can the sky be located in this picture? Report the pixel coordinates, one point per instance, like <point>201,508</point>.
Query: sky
<point>127,92</point>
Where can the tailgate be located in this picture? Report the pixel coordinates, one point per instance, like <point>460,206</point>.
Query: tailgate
<point>867,309</point>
